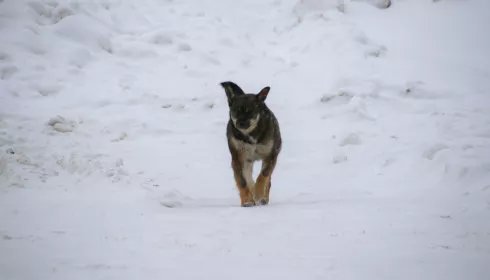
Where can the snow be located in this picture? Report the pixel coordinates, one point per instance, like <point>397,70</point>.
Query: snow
<point>113,156</point>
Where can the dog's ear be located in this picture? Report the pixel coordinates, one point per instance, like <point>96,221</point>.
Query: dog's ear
<point>262,95</point>
<point>231,90</point>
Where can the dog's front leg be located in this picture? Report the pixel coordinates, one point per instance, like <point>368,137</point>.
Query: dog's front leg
<point>262,187</point>
<point>243,173</point>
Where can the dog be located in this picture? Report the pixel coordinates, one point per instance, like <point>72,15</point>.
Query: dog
<point>253,134</point>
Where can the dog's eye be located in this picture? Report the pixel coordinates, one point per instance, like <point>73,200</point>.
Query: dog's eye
<point>243,110</point>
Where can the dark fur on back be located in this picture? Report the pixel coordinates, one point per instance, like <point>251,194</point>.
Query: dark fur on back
<point>253,134</point>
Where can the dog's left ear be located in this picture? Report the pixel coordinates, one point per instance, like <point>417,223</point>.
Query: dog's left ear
<point>262,95</point>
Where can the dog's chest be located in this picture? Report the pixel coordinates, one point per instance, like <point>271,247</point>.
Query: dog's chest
<point>253,151</point>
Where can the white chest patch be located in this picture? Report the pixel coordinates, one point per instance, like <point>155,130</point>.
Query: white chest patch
<point>253,124</point>
<point>253,152</point>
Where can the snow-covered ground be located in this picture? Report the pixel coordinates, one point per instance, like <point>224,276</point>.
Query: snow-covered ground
<point>113,156</point>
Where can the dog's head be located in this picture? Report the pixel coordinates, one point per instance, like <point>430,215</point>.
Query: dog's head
<point>245,108</point>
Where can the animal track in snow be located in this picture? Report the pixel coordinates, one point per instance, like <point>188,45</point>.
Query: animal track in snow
<point>375,51</point>
<point>60,13</point>
<point>105,44</point>
<point>207,59</point>
<point>80,57</point>
<point>162,39</point>
<point>467,147</point>
<point>339,158</point>
<point>184,47</point>
<point>5,56</point>
<point>51,13</point>
<point>123,135</point>
<point>60,124</point>
<point>432,151</point>
<point>351,139</point>
<point>48,89</point>
<point>174,198</point>
<point>6,72</point>
<point>339,98</point>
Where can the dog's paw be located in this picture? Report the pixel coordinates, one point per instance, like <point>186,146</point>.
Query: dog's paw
<point>262,201</point>
<point>248,204</point>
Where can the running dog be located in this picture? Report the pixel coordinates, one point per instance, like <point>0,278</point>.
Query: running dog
<point>253,134</point>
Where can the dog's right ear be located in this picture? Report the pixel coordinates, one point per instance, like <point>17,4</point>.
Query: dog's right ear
<point>231,90</point>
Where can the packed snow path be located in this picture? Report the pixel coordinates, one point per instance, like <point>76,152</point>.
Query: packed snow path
<point>113,156</point>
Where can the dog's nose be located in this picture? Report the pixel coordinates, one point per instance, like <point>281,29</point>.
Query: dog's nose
<point>242,124</point>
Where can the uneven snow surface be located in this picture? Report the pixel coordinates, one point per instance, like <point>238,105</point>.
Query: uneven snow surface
<point>113,155</point>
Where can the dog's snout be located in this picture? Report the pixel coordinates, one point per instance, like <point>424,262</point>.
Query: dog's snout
<point>242,124</point>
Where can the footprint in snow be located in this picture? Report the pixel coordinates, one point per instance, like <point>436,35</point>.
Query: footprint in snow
<point>184,47</point>
<point>209,105</point>
<point>123,135</point>
<point>431,152</point>
<point>162,39</point>
<point>80,57</point>
<point>351,139</point>
<point>375,51</point>
<point>5,56</point>
<point>173,199</point>
<point>60,13</point>
<point>105,44</point>
<point>339,158</point>
<point>62,125</point>
<point>210,60</point>
<point>7,72</point>
<point>48,89</point>
<point>338,98</point>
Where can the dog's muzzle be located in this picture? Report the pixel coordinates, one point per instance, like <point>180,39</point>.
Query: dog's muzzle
<point>242,124</point>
